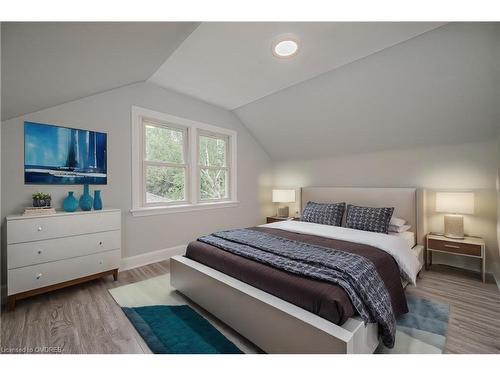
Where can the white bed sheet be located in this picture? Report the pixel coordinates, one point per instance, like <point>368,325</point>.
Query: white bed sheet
<point>408,236</point>
<point>396,246</point>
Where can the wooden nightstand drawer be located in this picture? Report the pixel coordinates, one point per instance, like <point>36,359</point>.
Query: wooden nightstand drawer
<point>273,219</point>
<point>455,247</point>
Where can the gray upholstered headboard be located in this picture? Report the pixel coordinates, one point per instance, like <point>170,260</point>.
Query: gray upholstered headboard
<point>407,202</point>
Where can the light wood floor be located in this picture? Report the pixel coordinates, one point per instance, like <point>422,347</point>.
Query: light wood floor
<point>474,321</point>
<point>86,319</point>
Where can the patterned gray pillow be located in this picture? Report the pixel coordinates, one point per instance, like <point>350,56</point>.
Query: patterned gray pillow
<point>323,213</point>
<point>369,219</point>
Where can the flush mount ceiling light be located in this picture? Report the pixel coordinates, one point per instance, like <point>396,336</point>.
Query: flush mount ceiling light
<point>285,48</point>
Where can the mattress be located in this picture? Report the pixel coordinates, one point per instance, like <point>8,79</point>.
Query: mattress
<point>408,236</point>
<point>419,254</point>
<point>322,298</point>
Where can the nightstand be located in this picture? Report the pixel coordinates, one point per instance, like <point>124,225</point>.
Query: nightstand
<point>473,247</point>
<point>273,219</point>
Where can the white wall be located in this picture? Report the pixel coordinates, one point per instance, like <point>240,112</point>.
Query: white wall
<point>466,166</point>
<point>110,112</point>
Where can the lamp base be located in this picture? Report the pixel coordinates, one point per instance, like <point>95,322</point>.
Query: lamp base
<point>282,211</point>
<point>454,227</point>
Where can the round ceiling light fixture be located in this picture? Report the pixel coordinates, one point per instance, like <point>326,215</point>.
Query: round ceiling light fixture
<point>286,48</point>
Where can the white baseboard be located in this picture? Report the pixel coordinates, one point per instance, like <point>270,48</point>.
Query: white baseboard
<point>151,257</point>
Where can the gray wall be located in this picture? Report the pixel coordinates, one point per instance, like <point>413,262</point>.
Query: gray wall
<point>110,112</point>
<point>422,113</point>
<point>466,166</point>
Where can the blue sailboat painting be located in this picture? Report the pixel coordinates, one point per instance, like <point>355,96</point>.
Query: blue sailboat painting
<point>60,155</point>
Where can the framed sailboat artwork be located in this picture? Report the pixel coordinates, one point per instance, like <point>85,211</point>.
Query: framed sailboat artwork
<point>62,155</point>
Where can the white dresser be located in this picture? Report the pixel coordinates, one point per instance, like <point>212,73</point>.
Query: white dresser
<point>45,253</point>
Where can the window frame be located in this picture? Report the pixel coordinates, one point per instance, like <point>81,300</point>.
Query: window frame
<point>193,129</point>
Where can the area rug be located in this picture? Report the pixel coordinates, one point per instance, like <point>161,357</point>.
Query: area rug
<point>421,331</point>
<point>166,323</point>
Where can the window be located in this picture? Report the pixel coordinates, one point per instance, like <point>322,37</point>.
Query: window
<point>165,167</point>
<point>213,167</point>
<point>180,165</point>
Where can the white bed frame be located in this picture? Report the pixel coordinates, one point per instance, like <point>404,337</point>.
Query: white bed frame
<point>273,324</point>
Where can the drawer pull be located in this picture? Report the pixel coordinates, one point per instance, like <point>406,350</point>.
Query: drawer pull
<point>39,251</point>
<point>100,243</point>
<point>39,276</point>
<point>452,246</point>
<point>101,262</point>
<point>40,229</point>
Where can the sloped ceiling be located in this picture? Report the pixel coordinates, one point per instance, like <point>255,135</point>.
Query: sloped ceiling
<point>231,64</point>
<point>438,88</point>
<point>353,87</point>
<point>46,64</point>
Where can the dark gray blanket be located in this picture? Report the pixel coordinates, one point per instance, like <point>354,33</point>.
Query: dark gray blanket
<point>355,274</point>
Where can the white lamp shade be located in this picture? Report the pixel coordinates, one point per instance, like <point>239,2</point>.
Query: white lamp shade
<point>283,195</point>
<point>455,202</point>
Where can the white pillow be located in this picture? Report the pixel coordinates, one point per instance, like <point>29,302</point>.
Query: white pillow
<point>400,229</point>
<point>396,221</point>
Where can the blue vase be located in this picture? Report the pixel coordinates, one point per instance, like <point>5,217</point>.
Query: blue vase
<point>97,200</point>
<point>86,199</point>
<point>70,203</point>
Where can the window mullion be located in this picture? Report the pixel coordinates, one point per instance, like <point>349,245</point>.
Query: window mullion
<point>213,168</point>
<point>193,162</point>
<point>165,164</point>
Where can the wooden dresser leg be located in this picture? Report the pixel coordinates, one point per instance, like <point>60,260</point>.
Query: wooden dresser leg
<point>115,274</point>
<point>11,303</point>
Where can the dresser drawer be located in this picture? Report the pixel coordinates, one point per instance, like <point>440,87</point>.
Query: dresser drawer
<point>45,274</point>
<point>29,253</point>
<point>43,228</point>
<point>454,247</point>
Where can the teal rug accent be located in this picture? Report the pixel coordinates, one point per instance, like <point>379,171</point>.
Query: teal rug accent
<point>178,330</point>
<point>421,331</point>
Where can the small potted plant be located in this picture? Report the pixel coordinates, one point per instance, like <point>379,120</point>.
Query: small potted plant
<point>41,200</point>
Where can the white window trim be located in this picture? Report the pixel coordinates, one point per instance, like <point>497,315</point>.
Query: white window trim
<point>192,202</point>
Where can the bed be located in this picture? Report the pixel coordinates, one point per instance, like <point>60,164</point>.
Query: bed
<point>282,312</point>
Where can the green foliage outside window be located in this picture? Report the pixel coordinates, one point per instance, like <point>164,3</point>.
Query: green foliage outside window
<point>164,184</point>
<point>213,174</point>
<point>167,183</point>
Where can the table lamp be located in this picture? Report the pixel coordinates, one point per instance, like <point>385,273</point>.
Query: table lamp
<point>454,203</point>
<point>283,196</point>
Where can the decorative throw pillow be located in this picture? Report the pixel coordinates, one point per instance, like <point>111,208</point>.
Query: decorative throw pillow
<point>369,219</point>
<point>323,213</point>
